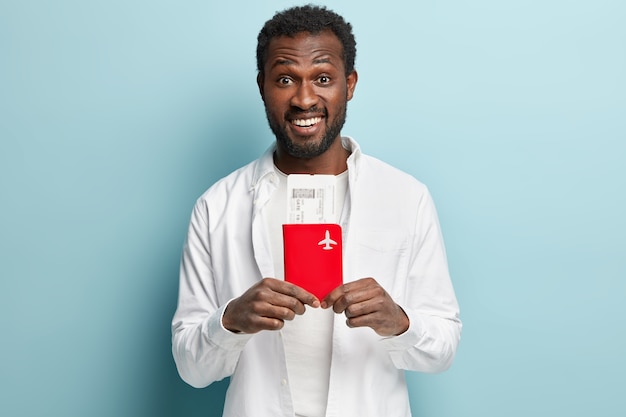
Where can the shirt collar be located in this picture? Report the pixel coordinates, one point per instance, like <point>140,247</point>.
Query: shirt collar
<point>264,166</point>
<point>354,160</point>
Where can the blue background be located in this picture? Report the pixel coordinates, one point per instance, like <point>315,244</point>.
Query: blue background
<point>116,115</point>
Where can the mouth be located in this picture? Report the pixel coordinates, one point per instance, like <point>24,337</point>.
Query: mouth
<point>306,123</point>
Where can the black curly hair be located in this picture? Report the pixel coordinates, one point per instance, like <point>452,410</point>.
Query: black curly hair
<point>311,19</point>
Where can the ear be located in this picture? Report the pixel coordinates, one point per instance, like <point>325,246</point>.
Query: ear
<point>351,81</point>
<point>260,81</point>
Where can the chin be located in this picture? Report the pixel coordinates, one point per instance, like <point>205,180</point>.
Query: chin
<point>311,148</point>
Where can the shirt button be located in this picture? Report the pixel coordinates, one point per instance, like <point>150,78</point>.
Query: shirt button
<point>283,382</point>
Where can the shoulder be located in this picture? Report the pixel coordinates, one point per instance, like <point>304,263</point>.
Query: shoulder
<point>234,186</point>
<point>374,171</point>
<point>243,179</point>
<point>238,178</point>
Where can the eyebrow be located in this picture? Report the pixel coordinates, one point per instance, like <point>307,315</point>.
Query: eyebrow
<point>287,62</point>
<point>321,61</point>
<point>282,61</point>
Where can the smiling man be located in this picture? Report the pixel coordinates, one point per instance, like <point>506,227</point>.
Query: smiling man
<point>288,352</point>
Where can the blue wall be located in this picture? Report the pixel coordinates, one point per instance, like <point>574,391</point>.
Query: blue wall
<point>116,115</point>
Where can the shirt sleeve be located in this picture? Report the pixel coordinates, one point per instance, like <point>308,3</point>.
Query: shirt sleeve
<point>430,343</point>
<point>204,351</point>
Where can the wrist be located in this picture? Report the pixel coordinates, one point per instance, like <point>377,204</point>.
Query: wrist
<point>227,322</point>
<point>404,322</point>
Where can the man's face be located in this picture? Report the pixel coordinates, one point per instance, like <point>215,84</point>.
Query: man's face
<point>305,91</point>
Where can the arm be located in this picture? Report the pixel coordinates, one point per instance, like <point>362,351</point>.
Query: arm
<point>208,338</point>
<point>421,334</point>
<point>204,351</point>
<point>430,343</point>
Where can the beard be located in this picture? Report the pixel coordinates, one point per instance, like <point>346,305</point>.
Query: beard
<point>310,148</point>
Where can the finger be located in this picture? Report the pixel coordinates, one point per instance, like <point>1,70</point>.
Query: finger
<point>379,322</point>
<point>363,308</point>
<point>368,320</point>
<point>333,296</point>
<point>298,293</point>
<point>306,297</point>
<point>279,293</point>
<point>281,313</point>
<point>275,303</point>
<point>384,321</point>
<point>265,317</point>
<point>259,316</point>
<point>265,323</point>
<point>274,311</point>
<point>350,287</point>
<point>357,296</point>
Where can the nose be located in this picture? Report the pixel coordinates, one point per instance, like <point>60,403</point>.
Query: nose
<point>304,97</point>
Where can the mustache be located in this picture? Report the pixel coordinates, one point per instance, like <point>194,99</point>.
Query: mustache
<point>296,113</point>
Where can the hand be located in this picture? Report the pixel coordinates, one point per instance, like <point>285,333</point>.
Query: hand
<point>266,305</point>
<point>366,304</point>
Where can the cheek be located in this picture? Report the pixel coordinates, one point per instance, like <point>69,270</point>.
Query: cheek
<point>270,105</point>
<point>338,98</point>
<point>275,103</point>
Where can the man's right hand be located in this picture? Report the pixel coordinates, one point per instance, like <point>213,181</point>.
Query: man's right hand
<point>266,305</point>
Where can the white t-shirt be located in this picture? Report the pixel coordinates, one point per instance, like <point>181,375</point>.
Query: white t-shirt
<point>308,338</point>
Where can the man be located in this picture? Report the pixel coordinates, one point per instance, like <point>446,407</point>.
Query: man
<point>286,351</point>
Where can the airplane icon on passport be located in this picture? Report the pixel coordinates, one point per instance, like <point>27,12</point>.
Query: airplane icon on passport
<point>327,242</point>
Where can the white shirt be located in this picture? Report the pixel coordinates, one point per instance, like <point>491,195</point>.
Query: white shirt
<point>390,232</point>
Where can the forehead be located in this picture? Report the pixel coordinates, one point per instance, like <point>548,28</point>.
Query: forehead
<point>304,48</point>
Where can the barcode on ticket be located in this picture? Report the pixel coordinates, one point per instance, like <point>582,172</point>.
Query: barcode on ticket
<point>303,193</point>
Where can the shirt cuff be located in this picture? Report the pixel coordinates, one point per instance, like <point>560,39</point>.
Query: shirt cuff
<point>409,338</point>
<point>221,336</point>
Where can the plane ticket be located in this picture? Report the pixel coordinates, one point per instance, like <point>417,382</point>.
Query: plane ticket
<point>311,198</point>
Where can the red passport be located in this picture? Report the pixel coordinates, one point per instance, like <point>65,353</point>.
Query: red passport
<point>313,259</point>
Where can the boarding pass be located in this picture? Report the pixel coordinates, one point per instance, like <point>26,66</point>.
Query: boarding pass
<point>311,198</point>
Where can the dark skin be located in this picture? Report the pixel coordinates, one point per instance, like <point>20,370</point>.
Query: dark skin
<point>305,91</point>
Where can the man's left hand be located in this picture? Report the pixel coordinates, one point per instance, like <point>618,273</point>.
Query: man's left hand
<point>367,304</point>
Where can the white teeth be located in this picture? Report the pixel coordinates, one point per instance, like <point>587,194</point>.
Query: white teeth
<point>306,122</point>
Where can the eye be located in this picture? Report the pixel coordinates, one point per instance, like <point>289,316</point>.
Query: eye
<point>284,81</point>
<point>324,79</point>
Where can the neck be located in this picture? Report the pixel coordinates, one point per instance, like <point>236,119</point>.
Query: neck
<point>332,162</point>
